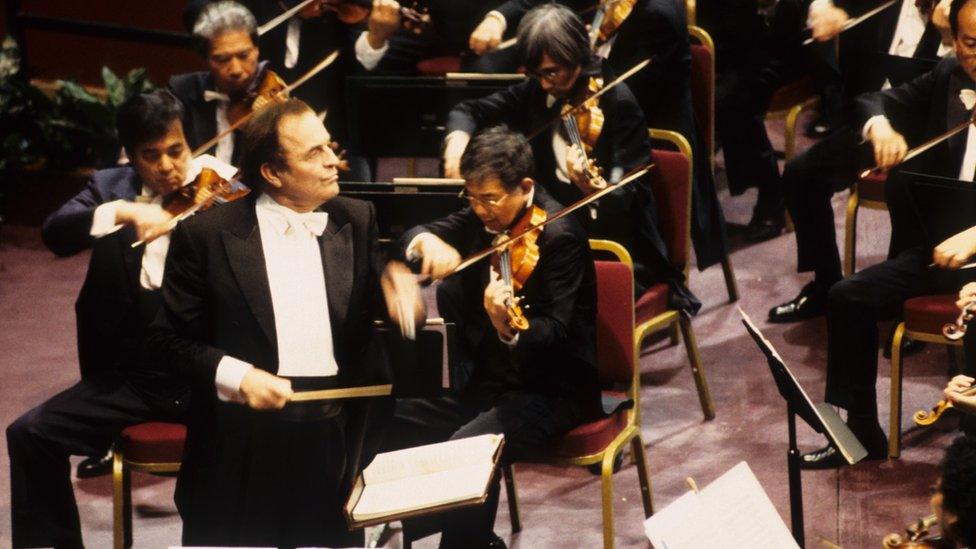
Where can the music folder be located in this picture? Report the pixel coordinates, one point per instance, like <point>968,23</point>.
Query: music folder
<point>821,417</point>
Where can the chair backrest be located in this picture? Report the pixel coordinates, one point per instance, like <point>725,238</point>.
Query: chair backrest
<point>671,183</point>
<point>615,323</point>
<point>703,87</point>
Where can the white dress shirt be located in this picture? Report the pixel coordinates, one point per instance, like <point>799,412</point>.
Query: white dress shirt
<point>225,147</point>
<point>293,38</point>
<point>154,256</point>
<point>303,329</point>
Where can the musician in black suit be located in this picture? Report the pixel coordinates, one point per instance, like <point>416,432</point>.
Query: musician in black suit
<point>530,385</point>
<point>810,179</point>
<point>555,49</point>
<point>226,36</point>
<point>263,297</point>
<point>911,113</point>
<point>119,298</point>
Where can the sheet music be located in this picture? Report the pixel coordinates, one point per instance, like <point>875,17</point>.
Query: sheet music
<point>732,512</point>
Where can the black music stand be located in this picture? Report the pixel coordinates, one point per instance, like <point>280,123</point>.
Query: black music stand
<point>401,206</point>
<point>821,417</point>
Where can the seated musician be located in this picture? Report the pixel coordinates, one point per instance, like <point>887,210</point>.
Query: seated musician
<point>119,298</point>
<point>531,385</point>
<point>226,35</point>
<point>265,296</point>
<point>833,165</point>
<point>469,28</point>
<point>555,50</point>
<point>954,500</point>
<point>912,112</point>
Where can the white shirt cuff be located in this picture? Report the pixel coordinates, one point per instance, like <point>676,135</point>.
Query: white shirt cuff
<point>510,342</point>
<point>367,56</point>
<point>501,18</point>
<point>103,220</point>
<point>866,130</point>
<point>230,373</point>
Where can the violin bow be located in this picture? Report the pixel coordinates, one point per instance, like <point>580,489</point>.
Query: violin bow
<point>472,259</point>
<point>855,21</point>
<point>283,17</point>
<point>630,72</point>
<point>328,60</point>
<point>912,153</point>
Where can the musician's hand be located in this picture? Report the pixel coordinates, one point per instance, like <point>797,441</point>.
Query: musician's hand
<point>954,393</point>
<point>940,20</point>
<point>312,10</point>
<point>384,20</point>
<point>954,251</point>
<point>577,168</point>
<point>486,35</point>
<point>454,146</point>
<point>889,145</point>
<point>402,295</point>
<point>497,296</point>
<point>149,220</point>
<point>437,258</point>
<point>264,391</point>
<point>826,22</point>
<point>966,295</point>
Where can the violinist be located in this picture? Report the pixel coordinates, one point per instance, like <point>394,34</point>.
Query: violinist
<point>555,49</point>
<point>954,500</point>
<point>532,383</point>
<point>120,296</point>
<point>910,113</point>
<point>226,35</point>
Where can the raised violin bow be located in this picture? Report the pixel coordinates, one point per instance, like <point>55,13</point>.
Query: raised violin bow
<point>912,153</point>
<point>283,17</point>
<point>328,60</point>
<point>630,72</point>
<point>472,259</point>
<point>855,21</point>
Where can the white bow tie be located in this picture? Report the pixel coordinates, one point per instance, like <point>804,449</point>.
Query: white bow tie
<point>968,98</point>
<point>210,95</point>
<point>313,222</point>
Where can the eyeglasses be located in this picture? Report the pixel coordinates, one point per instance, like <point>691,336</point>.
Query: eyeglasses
<point>486,202</point>
<point>550,75</point>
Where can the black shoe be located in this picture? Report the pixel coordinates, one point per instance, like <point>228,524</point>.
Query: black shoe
<point>810,303</point>
<point>95,466</point>
<point>824,458</point>
<point>764,227</point>
<point>496,542</point>
<point>817,128</point>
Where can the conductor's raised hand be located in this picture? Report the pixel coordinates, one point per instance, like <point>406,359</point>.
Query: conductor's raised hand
<point>264,391</point>
<point>404,304</point>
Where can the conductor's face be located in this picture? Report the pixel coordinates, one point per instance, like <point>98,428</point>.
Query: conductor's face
<point>965,40</point>
<point>162,163</point>
<point>233,60</point>
<point>309,176</point>
<point>495,205</point>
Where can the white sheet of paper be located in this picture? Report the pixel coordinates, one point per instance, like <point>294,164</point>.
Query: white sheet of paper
<point>732,512</point>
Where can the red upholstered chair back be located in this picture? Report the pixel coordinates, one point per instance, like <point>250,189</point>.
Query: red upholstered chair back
<point>439,66</point>
<point>615,322</point>
<point>671,184</point>
<point>703,87</point>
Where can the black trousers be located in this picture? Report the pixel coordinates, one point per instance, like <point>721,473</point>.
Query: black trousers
<point>528,421</point>
<point>809,182</point>
<point>855,306</point>
<point>82,420</point>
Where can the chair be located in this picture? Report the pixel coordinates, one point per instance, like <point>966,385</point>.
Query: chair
<point>439,66</point>
<point>703,104</point>
<point>788,103</point>
<point>691,9</point>
<point>923,320</point>
<point>153,447</point>
<point>601,440</point>
<point>671,183</point>
<point>868,192</point>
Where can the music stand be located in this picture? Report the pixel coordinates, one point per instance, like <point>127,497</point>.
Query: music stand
<point>821,417</point>
<point>899,70</point>
<point>401,206</point>
<point>942,206</point>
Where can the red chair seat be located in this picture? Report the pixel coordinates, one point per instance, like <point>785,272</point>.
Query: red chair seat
<point>651,303</point>
<point>872,187</point>
<point>590,438</point>
<point>439,66</point>
<point>928,313</point>
<point>154,442</point>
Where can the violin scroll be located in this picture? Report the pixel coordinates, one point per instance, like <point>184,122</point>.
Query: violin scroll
<point>955,331</point>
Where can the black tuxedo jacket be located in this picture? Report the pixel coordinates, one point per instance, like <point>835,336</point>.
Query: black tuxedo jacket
<point>921,109</point>
<point>199,116</point>
<point>557,354</point>
<point>111,330</point>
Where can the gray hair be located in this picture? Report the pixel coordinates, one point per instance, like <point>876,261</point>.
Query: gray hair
<point>555,30</point>
<point>220,17</point>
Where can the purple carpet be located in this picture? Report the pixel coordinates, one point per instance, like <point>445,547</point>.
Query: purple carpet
<point>855,507</point>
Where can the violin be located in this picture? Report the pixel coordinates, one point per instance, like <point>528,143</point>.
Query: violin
<point>268,86</point>
<point>517,260</point>
<point>607,21</point>
<point>583,125</point>
<point>353,12</point>
<point>919,536</point>
<point>952,331</point>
